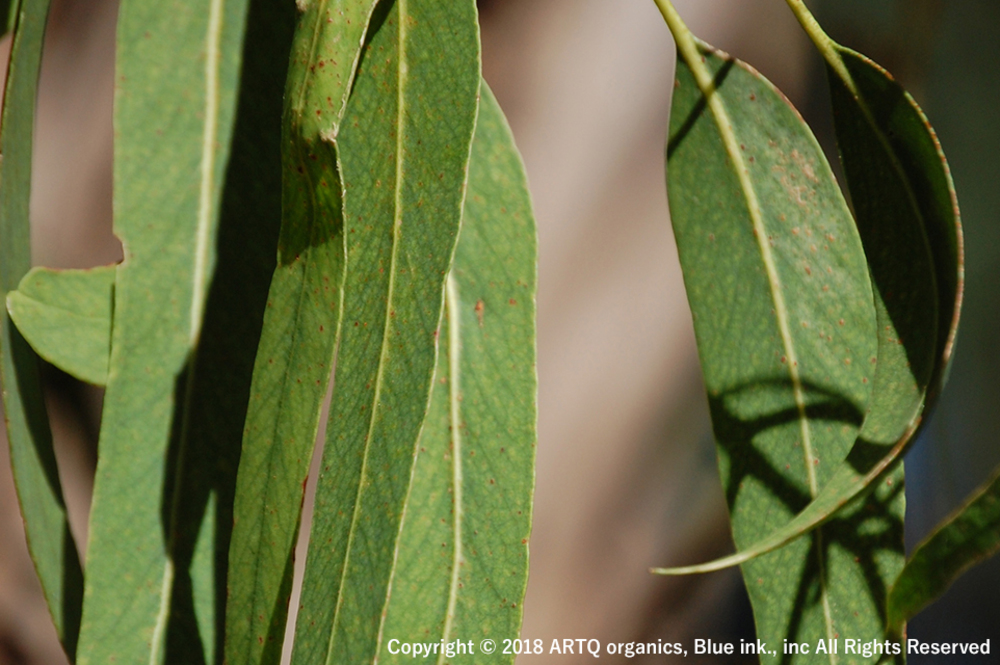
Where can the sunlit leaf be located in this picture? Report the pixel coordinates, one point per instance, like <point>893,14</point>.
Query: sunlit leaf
<point>462,561</point>
<point>301,325</point>
<point>65,315</point>
<point>196,162</point>
<point>908,216</point>
<point>404,149</point>
<point>784,318</point>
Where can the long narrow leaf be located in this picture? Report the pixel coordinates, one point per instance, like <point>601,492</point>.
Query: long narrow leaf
<point>301,325</point>
<point>32,459</point>
<point>404,146</point>
<point>906,206</point>
<point>152,586</point>
<point>785,323</point>
<point>970,536</point>
<point>462,561</point>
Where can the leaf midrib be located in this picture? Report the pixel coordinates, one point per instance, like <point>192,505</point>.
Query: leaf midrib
<point>688,49</point>
<point>397,223</point>
<point>454,369</point>
<point>199,287</point>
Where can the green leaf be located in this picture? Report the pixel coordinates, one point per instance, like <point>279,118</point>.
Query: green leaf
<point>784,318</point>
<point>462,563</point>
<point>65,315</point>
<point>920,172</point>
<point>970,536</point>
<point>404,151</point>
<point>160,514</point>
<point>894,165</point>
<point>908,215</point>
<point>301,326</point>
<point>32,460</point>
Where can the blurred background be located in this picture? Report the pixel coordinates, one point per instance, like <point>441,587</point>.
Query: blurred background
<point>626,475</point>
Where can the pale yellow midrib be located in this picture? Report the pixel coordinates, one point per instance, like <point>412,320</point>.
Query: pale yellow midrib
<point>686,46</point>
<point>199,278</point>
<point>454,368</point>
<point>383,353</point>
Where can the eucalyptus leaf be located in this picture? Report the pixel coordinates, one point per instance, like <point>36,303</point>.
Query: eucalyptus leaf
<point>413,108</point>
<point>907,211</point>
<point>968,537</point>
<point>300,329</point>
<point>152,590</point>
<point>462,563</point>
<point>33,461</point>
<point>65,315</point>
<point>785,322</point>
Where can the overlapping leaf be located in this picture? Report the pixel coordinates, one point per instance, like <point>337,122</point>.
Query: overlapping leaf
<point>301,326</point>
<point>967,538</point>
<point>65,315</point>
<point>462,559</point>
<point>906,210</point>
<point>404,149</point>
<point>785,321</point>
<point>178,377</point>
<point>33,462</point>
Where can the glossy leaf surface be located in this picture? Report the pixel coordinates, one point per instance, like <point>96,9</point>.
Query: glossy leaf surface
<point>414,107</point>
<point>462,560</point>
<point>65,315</point>
<point>301,325</point>
<point>32,459</point>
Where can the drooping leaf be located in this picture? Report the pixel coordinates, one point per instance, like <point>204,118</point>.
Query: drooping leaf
<point>221,371</point>
<point>905,202</point>
<point>906,166</point>
<point>413,107</point>
<point>163,490</point>
<point>785,323</point>
<point>301,326</point>
<point>32,459</point>
<point>970,536</point>
<point>919,169</point>
<point>462,561</point>
<point>65,315</point>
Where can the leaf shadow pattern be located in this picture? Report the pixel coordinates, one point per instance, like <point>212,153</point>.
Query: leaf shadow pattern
<point>864,528</point>
<point>699,108</point>
<point>27,373</point>
<point>211,394</point>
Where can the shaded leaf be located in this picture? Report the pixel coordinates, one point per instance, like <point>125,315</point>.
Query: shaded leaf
<point>905,203</point>
<point>301,325</point>
<point>784,318</point>
<point>159,515</point>
<point>414,107</point>
<point>970,536</point>
<point>65,315</point>
<point>218,393</point>
<point>32,460</point>
<point>462,563</point>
